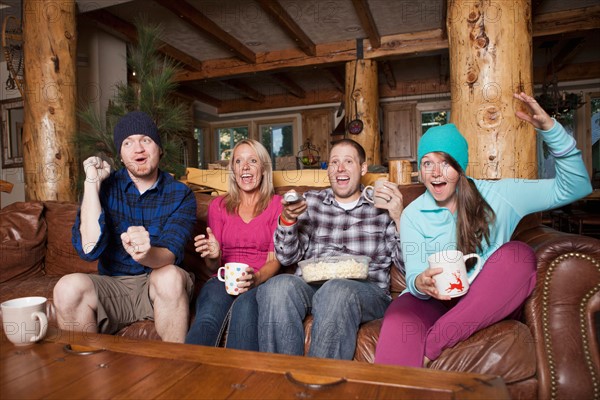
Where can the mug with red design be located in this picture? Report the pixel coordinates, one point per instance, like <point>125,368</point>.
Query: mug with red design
<point>230,273</point>
<point>453,280</point>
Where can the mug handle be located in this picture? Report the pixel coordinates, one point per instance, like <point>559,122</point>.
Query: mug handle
<point>477,268</point>
<point>365,191</point>
<point>43,325</point>
<point>219,277</point>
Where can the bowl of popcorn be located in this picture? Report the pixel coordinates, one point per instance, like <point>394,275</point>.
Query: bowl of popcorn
<point>335,267</point>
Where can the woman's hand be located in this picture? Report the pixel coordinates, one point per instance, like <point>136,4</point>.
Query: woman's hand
<point>534,113</point>
<point>207,246</point>
<point>248,281</point>
<point>425,283</point>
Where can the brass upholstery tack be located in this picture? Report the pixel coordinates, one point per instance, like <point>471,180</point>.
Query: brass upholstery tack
<point>583,323</point>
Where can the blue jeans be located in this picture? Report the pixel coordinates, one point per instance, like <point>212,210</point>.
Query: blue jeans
<point>338,307</point>
<point>213,307</point>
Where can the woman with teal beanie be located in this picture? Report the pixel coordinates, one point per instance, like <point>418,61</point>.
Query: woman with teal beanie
<point>473,216</point>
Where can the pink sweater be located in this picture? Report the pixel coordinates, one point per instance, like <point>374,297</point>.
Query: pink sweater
<point>240,241</point>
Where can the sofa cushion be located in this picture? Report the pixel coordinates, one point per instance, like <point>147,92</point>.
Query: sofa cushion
<point>22,241</point>
<point>506,349</point>
<point>192,261</point>
<point>145,330</point>
<point>40,285</point>
<point>397,282</point>
<point>61,257</point>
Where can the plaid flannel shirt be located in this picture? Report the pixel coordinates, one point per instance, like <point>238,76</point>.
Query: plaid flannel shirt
<point>325,229</point>
<point>167,211</point>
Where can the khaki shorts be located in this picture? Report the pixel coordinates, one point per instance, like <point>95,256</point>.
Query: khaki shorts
<point>123,300</point>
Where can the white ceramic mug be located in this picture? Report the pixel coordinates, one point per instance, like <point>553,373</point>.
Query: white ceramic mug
<point>453,280</point>
<point>369,192</point>
<point>229,274</point>
<point>24,320</point>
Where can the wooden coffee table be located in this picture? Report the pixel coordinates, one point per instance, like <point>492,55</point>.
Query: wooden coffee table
<point>125,368</point>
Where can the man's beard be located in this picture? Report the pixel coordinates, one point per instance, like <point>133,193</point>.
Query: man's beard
<point>141,173</point>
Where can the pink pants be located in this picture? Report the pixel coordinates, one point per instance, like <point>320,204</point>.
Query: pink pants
<point>414,328</point>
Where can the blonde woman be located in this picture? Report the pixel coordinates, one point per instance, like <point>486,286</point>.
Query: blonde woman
<point>240,229</point>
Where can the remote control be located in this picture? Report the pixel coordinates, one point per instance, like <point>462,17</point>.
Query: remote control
<point>292,197</point>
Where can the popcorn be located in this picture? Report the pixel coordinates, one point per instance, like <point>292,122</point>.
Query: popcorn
<point>346,267</point>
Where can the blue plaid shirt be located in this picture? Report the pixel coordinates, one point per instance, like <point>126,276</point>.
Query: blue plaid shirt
<point>167,211</point>
<point>325,229</point>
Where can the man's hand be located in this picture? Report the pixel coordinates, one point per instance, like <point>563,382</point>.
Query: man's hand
<point>136,242</point>
<point>96,170</point>
<point>394,203</point>
<point>291,211</point>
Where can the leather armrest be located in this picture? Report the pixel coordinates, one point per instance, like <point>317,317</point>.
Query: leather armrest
<point>561,312</point>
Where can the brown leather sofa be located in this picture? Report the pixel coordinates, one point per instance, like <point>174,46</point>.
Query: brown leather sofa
<point>552,352</point>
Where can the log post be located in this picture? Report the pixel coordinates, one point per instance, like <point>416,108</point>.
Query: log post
<point>362,102</point>
<point>400,172</point>
<point>490,46</point>
<point>49,33</point>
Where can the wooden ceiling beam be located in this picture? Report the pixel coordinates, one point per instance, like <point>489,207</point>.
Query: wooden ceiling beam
<point>336,77</point>
<point>555,23</point>
<point>564,55</point>
<point>367,22</point>
<point>427,86</point>
<point>535,7</point>
<point>430,86</point>
<point>289,84</point>
<point>244,89</point>
<point>444,67</point>
<point>388,72</point>
<point>287,23</point>
<point>276,101</point>
<point>116,26</point>
<point>392,46</point>
<point>330,53</point>
<point>571,72</point>
<point>205,25</point>
<point>194,94</point>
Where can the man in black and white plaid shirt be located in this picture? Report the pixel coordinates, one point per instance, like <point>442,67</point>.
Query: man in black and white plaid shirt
<point>336,221</point>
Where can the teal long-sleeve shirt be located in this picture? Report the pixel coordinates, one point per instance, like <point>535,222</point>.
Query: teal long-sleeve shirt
<point>426,228</point>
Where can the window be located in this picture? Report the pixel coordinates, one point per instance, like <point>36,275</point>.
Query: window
<point>228,137</point>
<point>278,139</point>
<point>12,133</point>
<point>433,118</point>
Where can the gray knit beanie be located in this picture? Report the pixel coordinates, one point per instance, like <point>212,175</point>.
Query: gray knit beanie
<point>135,123</point>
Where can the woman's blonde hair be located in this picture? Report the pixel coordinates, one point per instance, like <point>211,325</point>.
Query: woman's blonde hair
<point>232,198</point>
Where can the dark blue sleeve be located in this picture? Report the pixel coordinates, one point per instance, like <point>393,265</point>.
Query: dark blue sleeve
<point>180,224</point>
<point>98,248</point>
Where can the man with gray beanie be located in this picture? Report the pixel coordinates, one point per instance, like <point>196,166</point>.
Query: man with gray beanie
<point>135,222</point>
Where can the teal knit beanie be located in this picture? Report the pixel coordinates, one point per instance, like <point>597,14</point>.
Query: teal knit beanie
<point>444,138</point>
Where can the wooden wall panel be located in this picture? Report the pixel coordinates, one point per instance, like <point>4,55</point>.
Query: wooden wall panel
<point>399,131</point>
<point>317,126</point>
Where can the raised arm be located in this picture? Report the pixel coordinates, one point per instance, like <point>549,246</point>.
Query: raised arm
<point>96,171</point>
